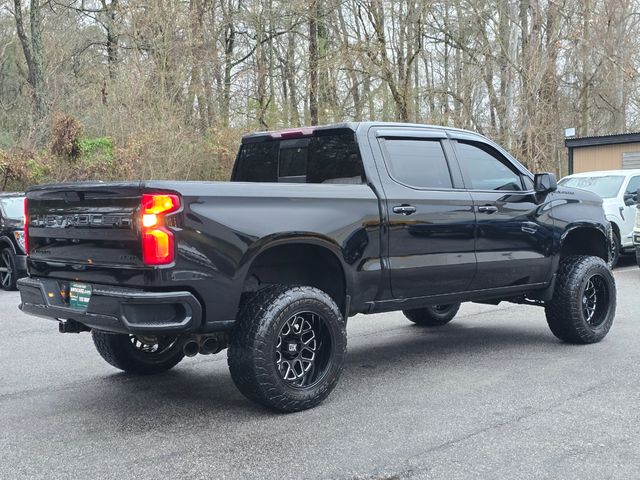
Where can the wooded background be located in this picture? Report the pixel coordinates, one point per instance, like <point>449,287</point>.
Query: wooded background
<point>165,88</point>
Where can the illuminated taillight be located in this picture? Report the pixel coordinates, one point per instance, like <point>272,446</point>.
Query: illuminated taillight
<point>157,241</point>
<point>155,204</point>
<point>157,246</point>
<point>25,226</point>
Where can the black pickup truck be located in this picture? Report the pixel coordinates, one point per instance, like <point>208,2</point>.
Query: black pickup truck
<point>316,225</point>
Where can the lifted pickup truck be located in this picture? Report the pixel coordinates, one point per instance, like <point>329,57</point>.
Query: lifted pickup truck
<point>316,225</point>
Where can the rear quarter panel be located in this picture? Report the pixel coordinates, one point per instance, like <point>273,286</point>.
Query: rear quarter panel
<point>225,226</point>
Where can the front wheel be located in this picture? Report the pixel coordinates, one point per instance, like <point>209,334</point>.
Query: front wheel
<point>638,256</point>
<point>584,300</point>
<point>433,315</point>
<point>287,347</point>
<point>142,355</point>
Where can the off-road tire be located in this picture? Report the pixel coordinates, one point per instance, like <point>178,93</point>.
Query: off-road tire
<point>9,262</point>
<point>118,351</point>
<point>565,312</point>
<point>638,256</point>
<point>252,350</point>
<point>433,316</point>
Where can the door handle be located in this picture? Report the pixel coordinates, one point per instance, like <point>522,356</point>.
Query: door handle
<point>404,209</point>
<point>487,209</point>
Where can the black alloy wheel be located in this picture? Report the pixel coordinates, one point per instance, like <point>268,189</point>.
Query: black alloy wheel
<point>7,270</point>
<point>143,355</point>
<point>595,301</point>
<point>303,349</point>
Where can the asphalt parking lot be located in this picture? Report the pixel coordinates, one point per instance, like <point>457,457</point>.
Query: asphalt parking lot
<point>491,395</point>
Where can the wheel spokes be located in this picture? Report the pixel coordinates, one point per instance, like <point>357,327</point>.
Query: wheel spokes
<point>297,347</point>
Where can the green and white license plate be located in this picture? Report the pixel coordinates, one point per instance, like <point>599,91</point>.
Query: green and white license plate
<point>79,295</point>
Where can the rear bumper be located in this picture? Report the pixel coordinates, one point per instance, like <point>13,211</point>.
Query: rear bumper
<point>114,309</point>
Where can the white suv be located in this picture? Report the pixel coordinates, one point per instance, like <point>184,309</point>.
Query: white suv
<point>636,234</point>
<point>619,192</point>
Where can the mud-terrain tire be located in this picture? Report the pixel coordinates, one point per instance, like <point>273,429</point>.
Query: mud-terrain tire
<point>8,273</point>
<point>433,315</point>
<point>271,347</point>
<point>134,354</point>
<point>584,300</point>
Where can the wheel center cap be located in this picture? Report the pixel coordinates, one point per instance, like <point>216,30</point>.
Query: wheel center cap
<point>290,348</point>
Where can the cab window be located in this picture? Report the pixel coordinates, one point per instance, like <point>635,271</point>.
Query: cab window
<point>484,168</point>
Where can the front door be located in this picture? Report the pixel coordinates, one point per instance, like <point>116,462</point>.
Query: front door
<point>513,230</point>
<point>430,216</point>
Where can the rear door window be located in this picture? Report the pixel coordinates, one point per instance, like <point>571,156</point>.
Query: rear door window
<point>418,163</point>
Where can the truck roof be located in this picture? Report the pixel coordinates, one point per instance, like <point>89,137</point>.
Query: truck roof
<point>298,132</point>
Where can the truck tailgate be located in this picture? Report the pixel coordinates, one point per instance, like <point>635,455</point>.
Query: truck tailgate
<point>85,224</point>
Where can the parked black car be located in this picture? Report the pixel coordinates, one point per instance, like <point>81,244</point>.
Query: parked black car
<point>13,261</point>
<point>316,225</point>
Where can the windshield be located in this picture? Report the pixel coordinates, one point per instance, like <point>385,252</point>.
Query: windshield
<point>13,207</point>
<point>605,187</point>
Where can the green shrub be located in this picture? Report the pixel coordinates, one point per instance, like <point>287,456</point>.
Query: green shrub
<point>96,149</point>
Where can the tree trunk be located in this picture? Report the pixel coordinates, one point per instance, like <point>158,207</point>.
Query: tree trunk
<point>313,62</point>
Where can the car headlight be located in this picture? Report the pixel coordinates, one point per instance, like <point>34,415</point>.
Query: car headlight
<point>19,236</point>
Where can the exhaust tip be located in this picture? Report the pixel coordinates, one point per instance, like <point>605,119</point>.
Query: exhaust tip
<point>191,348</point>
<point>210,345</point>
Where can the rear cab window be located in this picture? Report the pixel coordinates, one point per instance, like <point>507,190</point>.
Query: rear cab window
<point>330,157</point>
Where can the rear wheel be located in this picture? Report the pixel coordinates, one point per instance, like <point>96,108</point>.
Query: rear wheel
<point>433,315</point>
<point>143,355</point>
<point>287,347</point>
<point>584,300</point>
<point>7,269</point>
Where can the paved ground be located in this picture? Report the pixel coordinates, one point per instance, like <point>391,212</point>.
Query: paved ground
<point>492,395</point>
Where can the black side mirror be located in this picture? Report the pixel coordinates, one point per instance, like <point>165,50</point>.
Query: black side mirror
<point>545,183</point>
<point>630,199</point>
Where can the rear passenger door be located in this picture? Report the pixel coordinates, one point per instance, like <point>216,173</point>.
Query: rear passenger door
<point>430,215</point>
<point>513,231</point>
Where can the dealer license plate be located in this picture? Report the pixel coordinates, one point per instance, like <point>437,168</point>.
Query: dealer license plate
<point>79,295</point>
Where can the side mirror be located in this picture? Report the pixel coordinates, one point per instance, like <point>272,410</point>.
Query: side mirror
<point>545,183</point>
<point>630,199</point>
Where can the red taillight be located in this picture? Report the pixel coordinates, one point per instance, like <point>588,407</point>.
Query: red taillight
<point>157,241</point>
<point>157,246</point>
<point>25,224</point>
<point>159,203</point>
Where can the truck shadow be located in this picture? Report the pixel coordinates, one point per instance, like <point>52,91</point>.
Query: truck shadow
<point>203,390</point>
